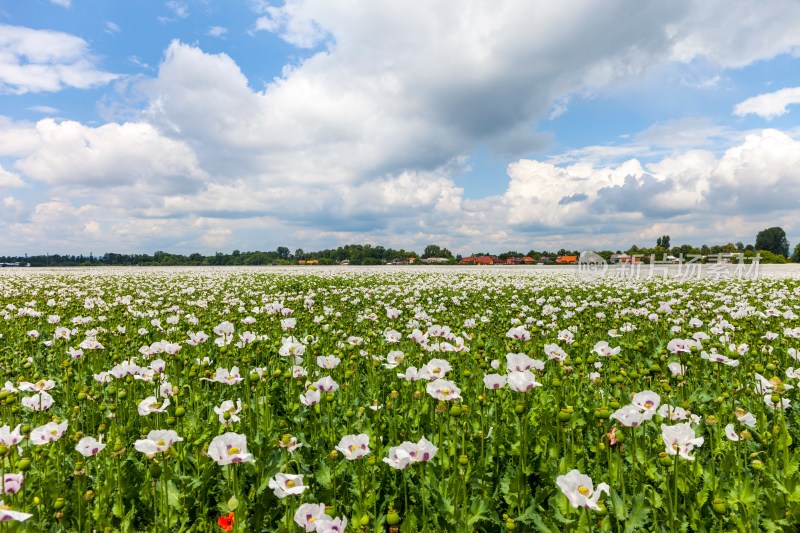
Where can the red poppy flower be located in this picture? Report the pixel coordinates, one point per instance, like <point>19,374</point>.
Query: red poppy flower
<point>226,522</point>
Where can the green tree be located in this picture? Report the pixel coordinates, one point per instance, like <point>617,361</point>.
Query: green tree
<point>796,254</point>
<point>773,240</point>
<point>767,257</point>
<point>434,250</point>
<point>283,252</point>
<point>663,242</point>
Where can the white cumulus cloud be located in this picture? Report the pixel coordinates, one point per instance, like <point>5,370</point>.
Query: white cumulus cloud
<point>367,136</point>
<point>46,61</point>
<point>769,105</point>
<point>130,154</point>
<point>10,179</point>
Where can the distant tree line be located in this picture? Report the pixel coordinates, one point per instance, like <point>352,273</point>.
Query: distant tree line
<point>771,243</point>
<point>356,254</point>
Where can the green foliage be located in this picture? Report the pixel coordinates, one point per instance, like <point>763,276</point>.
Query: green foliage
<point>499,452</point>
<point>767,257</point>
<point>434,250</point>
<point>796,254</point>
<point>773,240</point>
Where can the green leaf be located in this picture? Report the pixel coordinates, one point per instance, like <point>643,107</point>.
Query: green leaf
<point>702,496</point>
<point>639,514</point>
<point>118,509</point>
<point>656,500</point>
<point>445,506</point>
<point>771,526</point>
<point>618,506</point>
<point>127,522</point>
<point>478,511</point>
<point>743,493</point>
<point>561,508</point>
<point>174,496</point>
<point>545,525</point>
<point>409,524</point>
<point>777,484</point>
<point>792,466</point>
<point>528,515</point>
<point>509,486</point>
<point>323,475</point>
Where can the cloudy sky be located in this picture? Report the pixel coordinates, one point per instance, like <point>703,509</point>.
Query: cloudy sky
<point>213,125</point>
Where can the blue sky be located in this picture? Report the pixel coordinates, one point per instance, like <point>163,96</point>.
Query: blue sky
<point>205,125</point>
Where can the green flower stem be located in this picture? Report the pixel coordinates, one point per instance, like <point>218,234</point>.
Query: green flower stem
<point>757,511</point>
<point>523,452</point>
<point>634,465</point>
<point>360,469</point>
<point>675,492</point>
<point>405,491</point>
<point>287,516</point>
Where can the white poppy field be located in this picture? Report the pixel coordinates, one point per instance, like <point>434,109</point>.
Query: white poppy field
<point>401,400</point>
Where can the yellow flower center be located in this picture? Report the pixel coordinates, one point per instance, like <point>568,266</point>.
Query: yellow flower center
<point>154,405</point>
<point>161,442</point>
<point>53,432</point>
<point>648,404</point>
<point>233,451</point>
<point>290,483</point>
<point>352,447</point>
<point>584,490</point>
<point>445,391</point>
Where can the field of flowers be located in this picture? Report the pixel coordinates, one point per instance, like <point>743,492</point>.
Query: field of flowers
<point>409,400</point>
